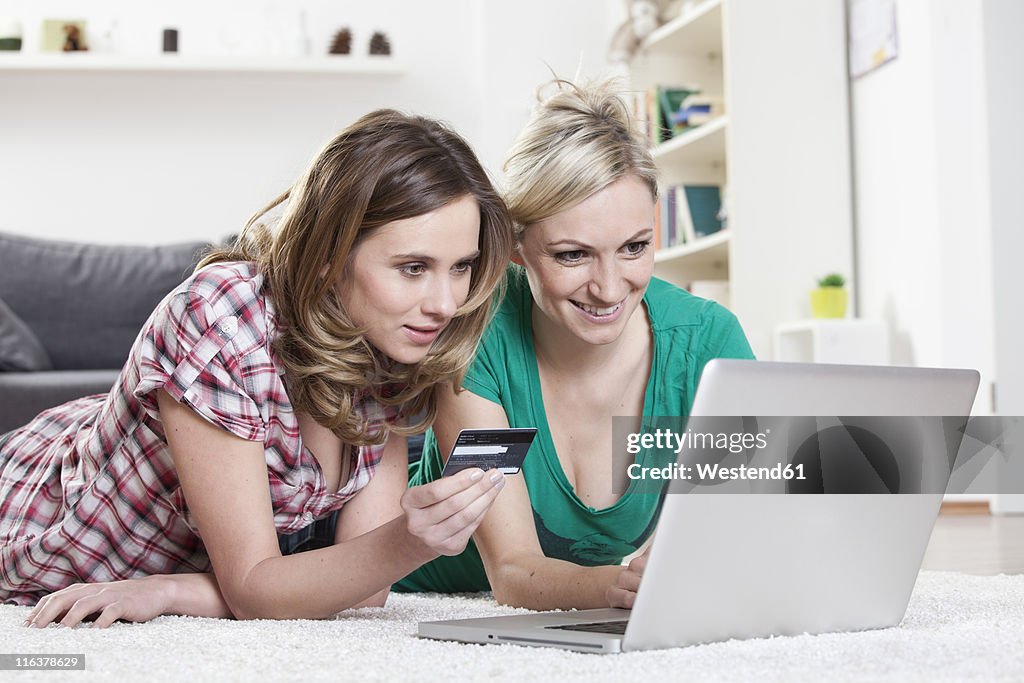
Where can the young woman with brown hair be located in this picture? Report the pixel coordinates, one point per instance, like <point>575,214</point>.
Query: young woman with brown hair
<point>291,359</point>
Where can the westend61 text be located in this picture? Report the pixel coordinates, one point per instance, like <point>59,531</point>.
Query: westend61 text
<point>714,472</point>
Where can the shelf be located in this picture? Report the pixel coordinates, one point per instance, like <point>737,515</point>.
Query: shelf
<point>832,340</point>
<point>747,51</point>
<point>707,258</point>
<point>697,33</point>
<point>704,145</point>
<point>711,249</point>
<point>338,64</point>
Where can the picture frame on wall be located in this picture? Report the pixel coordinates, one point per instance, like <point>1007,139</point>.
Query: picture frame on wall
<point>873,38</point>
<point>63,35</point>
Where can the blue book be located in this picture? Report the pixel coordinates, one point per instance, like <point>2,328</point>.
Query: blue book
<point>704,202</point>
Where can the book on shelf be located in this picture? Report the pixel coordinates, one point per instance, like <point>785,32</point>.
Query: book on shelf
<point>670,111</point>
<point>666,220</point>
<point>670,101</point>
<point>704,203</point>
<point>697,109</point>
<point>656,109</point>
<point>685,213</point>
<point>687,234</point>
<point>665,112</point>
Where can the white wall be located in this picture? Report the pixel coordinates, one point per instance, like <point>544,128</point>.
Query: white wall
<point>789,159</point>
<point>921,190</point>
<point>522,44</point>
<point>939,156</point>
<point>1004,58</point>
<point>1004,61</point>
<point>160,157</point>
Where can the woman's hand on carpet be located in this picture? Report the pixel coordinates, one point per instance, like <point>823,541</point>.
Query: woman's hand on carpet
<point>622,593</point>
<point>130,600</point>
<point>444,513</point>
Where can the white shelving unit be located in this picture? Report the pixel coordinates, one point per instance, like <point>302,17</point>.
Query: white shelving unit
<point>87,61</point>
<point>860,342</point>
<point>781,150</point>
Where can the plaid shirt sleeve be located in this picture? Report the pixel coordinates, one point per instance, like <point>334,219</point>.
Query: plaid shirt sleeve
<point>188,351</point>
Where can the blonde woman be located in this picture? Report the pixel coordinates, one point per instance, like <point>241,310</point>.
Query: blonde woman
<point>291,360</point>
<point>584,334</point>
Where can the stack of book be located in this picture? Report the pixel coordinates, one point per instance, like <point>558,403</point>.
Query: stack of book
<point>665,112</point>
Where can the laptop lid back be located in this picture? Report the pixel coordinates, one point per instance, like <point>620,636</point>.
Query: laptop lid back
<point>742,565</point>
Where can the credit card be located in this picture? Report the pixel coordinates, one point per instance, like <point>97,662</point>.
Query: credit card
<point>490,449</point>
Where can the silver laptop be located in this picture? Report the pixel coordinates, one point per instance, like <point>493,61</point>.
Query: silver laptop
<point>755,565</point>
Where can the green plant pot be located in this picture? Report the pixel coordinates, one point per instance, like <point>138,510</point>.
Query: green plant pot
<point>828,302</point>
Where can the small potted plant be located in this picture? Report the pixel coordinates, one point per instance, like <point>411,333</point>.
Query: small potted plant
<point>829,299</point>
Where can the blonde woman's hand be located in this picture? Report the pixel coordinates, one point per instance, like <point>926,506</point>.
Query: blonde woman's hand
<point>444,514</point>
<point>622,593</point>
<point>130,600</point>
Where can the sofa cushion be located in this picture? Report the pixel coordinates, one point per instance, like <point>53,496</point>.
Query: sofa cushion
<point>87,302</point>
<point>23,395</point>
<point>20,350</point>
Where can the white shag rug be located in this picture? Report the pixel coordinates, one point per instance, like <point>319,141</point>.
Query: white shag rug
<point>957,627</point>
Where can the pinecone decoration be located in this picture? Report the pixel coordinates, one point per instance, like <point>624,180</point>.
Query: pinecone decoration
<point>379,44</point>
<point>342,43</point>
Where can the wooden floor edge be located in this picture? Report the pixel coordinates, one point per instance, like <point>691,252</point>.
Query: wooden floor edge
<point>965,507</point>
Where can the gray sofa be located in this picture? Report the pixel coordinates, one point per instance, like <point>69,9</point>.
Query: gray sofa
<point>69,313</point>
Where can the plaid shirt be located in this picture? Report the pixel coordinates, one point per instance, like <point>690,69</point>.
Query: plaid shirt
<point>88,490</point>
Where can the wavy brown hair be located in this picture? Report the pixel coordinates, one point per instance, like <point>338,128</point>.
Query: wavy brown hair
<point>385,167</point>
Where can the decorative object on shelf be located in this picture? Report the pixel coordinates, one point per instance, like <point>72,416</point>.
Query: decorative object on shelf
<point>10,34</point>
<point>170,40</point>
<point>829,299</point>
<point>63,35</point>
<point>379,44</point>
<point>644,17</point>
<point>341,44</point>
<point>74,39</point>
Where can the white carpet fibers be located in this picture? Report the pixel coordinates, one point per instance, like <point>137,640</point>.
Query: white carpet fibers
<point>957,627</point>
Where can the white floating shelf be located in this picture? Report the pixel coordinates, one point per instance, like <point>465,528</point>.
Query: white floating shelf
<point>710,249</point>
<point>697,32</point>
<point>86,61</point>
<point>703,145</point>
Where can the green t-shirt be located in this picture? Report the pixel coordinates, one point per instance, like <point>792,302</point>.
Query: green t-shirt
<point>688,332</point>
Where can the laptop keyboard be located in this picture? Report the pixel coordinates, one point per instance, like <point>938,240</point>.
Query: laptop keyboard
<point>616,627</point>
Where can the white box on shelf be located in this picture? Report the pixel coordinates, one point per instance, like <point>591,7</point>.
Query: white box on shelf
<point>855,341</point>
<point>715,290</point>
